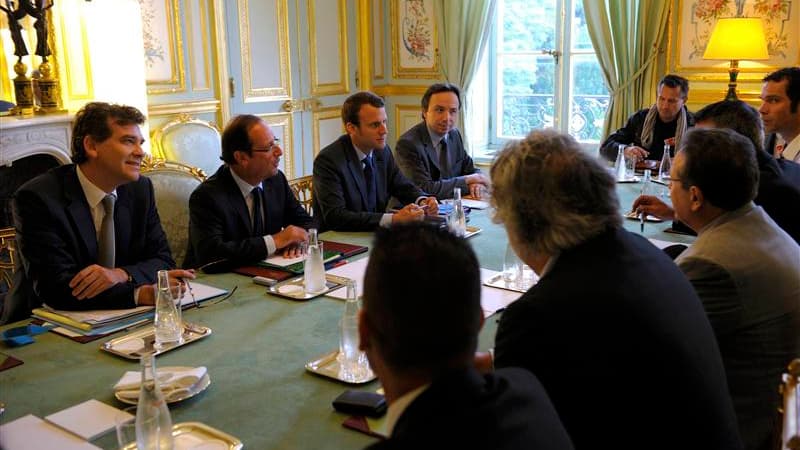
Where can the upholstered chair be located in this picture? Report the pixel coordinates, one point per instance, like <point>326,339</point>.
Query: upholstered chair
<point>190,141</point>
<point>173,183</point>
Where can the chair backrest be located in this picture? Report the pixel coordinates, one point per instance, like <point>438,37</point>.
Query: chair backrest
<point>190,141</point>
<point>9,261</point>
<point>791,407</point>
<point>173,183</point>
<point>302,188</point>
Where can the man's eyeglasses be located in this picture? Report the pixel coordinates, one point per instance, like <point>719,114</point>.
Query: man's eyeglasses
<point>275,144</point>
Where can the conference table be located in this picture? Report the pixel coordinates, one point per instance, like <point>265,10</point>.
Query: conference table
<point>260,391</point>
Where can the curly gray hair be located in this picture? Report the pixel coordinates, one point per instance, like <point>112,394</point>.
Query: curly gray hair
<point>550,194</point>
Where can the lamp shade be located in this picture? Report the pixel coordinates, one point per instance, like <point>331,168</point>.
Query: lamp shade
<point>737,38</point>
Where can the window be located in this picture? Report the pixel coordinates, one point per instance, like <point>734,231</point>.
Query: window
<point>543,72</point>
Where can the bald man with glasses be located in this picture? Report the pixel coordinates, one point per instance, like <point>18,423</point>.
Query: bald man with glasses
<point>246,211</point>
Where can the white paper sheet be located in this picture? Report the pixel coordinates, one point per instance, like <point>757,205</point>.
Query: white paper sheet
<point>355,271</point>
<point>32,433</point>
<point>88,420</point>
<point>664,244</point>
<point>494,299</point>
<point>474,204</point>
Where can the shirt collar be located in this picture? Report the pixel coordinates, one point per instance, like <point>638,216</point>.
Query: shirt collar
<point>399,406</point>
<point>360,154</point>
<point>791,150</point>
<point>94,195</point>
<point>435,137</point>
<point>244,186</point>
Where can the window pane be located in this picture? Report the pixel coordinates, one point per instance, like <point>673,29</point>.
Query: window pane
<point>526,94</point>
<point>527,25</point>
<point>589,99</point>
<point>580,33</point>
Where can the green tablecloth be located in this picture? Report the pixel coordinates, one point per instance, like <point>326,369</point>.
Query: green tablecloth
<point>259,389</point>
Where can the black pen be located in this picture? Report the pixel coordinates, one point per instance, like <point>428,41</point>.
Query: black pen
<point>641,221</point>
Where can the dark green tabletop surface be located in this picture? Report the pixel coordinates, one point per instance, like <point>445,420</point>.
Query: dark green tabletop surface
<point>260,391</point>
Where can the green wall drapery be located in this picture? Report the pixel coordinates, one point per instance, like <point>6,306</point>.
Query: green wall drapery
<point>626,35</point>
<point>463,28</point>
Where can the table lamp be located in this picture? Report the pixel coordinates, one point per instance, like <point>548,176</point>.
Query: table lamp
<point>734,39</point>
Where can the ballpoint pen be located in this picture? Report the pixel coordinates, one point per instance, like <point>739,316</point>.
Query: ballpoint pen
<point>641,221</point>
<point>191,292</point>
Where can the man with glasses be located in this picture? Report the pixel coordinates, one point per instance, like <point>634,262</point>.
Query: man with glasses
<point>356,176</point>
<point>246,211</point>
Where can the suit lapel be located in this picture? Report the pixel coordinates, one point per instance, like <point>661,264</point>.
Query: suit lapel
<point>236,199</point>
<point>80,213</point>
<point>430,150</point>
<point>357,172</point>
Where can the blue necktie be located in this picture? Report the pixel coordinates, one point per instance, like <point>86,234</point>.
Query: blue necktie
<point>369,180</point>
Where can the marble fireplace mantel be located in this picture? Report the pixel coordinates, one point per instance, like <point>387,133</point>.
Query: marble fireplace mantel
<point>26,136</point>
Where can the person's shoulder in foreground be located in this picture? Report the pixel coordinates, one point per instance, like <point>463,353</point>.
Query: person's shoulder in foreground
<point>606,302</point>
<point>437,398</point>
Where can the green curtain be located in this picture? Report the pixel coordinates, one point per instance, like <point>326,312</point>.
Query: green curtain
<point>626,35</point>
<point>462,40</point>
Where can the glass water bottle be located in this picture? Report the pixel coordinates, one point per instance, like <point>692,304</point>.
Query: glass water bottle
<point>167,322</point>
<point>458,219</point>
<point>314,269</point>
<point>153,422</point>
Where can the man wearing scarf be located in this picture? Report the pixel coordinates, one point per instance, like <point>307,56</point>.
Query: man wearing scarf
<point>646,132</point>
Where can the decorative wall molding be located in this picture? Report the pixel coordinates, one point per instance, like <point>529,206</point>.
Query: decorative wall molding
<point>202,106</point>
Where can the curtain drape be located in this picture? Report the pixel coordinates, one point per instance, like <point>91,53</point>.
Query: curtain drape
<point>463,27</point>
<point>625,35</point>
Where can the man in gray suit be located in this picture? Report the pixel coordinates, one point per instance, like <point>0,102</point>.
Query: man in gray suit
<point>750,287</point>
<point>431,153</point>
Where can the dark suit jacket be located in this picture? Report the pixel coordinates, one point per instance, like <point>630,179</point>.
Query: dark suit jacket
<point>631,133</point>
<point>56,237</point>
<point>507,409</point>
<point>621,343</point>
<point>779,198</point>
<point>419,161</point>
<point>340,201</point>
<point>791,170</point>
<point>220,225</point>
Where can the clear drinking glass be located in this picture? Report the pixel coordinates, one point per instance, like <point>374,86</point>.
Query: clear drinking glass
<point>167,323</point>
<point>512,269</point>
<point>630,167</point>
<point>125,426</point>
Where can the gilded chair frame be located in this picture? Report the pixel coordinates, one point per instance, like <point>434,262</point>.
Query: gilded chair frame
<point>303,191</point>
<point>9,262</point>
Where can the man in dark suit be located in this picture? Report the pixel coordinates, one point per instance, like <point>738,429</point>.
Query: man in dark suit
<point>431,153</point>
<point>355,177</point>
<point>246,210</point>
<point>791,169</point>
<point>776,194</point>
<point>437,399</point>
<point>89,233</point>
<point>613,329</point>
